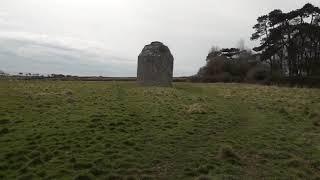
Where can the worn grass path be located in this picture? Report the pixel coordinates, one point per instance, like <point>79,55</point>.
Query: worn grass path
<point>118,130</point>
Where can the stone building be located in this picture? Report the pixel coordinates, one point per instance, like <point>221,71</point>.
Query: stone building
<point>155,65</point>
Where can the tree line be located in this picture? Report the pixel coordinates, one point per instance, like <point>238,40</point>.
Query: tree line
<point>290,41</point>
<point>289,51</point>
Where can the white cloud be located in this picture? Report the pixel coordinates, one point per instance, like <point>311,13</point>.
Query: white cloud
<point>66,43</point>
<point>2,17</point>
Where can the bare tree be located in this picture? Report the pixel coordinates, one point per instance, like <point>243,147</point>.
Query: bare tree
<point>214,49</point>
<point>241,44</point>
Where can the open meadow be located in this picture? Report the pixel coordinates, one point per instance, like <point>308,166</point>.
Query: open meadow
<point>118,130</point>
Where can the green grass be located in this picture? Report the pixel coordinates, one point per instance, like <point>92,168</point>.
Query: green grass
<point>118,130</point>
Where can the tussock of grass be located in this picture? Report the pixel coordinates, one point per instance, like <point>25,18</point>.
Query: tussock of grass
<point>83,177</point>
<point>4,131</point>
<point>196,109</point>
<point>4,121</point>
<point>316,123</point>
<point>204,177</point>
<point>295,163</point>
<point>67,92</point>
<point>227,153</point>
<point>315,119</point>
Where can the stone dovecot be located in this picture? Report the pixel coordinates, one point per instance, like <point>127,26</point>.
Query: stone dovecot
<point>155,65</point>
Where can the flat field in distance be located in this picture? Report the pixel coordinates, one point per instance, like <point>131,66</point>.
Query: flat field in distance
<point>118,130</point>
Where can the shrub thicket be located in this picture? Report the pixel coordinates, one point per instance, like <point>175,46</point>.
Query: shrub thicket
<point>232,65</point>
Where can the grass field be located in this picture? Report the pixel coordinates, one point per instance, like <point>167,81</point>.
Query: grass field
<point>118,130</point>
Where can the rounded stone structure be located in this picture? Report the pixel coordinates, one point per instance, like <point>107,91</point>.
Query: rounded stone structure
<point>155,65</point>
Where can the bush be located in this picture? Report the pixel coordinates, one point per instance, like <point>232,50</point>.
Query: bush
<point>259,73</point>
<point>221,68</point>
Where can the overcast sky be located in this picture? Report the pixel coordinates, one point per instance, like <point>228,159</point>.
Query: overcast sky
<point>104,37</point>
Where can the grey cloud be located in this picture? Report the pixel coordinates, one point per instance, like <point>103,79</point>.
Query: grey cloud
<point>40,54</point>
<point>104,28</point>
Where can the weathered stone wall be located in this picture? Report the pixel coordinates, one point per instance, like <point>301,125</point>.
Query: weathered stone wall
<point>155,65</point>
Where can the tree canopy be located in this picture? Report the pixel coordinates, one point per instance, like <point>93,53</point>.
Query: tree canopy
<point>290,42</point>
